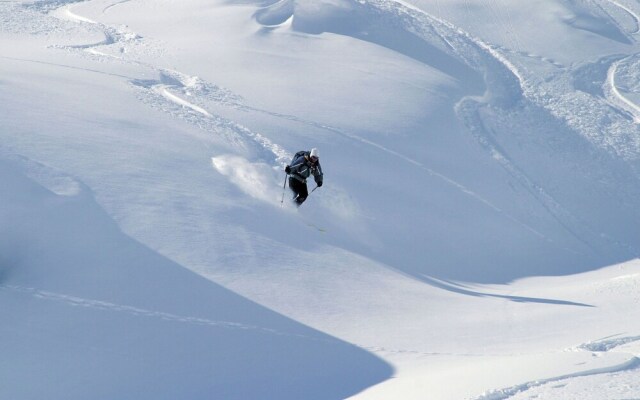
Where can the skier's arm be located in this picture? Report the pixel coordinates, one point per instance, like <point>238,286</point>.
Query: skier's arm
<point>317,174</point>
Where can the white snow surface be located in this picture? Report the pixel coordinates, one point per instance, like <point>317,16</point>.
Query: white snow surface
<point>476,236</point>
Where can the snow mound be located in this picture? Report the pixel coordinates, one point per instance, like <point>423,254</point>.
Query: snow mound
<point>275,14</point>
<point>388,25</point>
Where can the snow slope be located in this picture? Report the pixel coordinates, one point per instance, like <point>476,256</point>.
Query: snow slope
<point>91,312</point>
<point>476,236</point>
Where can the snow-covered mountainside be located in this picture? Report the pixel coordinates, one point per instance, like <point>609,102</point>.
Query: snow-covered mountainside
<point>476,236</point>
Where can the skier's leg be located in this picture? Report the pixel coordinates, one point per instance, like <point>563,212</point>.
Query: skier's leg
<point>303,193</point>
<point>294,186</point>
<point>299,190</point>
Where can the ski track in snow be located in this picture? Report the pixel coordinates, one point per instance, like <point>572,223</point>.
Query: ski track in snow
<point>618,98</point>
<point>539,95</point>
<point>113,35</point>
<point>107,8</point>
<point>447,180</point>
<point>468,109</point>
<point>164,91</point>
<point>75,301</point>
<point>453,35</point>
<point>170,92</point>
<point>66,12</point>
<point>466,45</point>
<point>608,344</point>
<point>603,346</point>
<point>242,137</point>
<point>503,394</point>
<point>140,312</point>
<point>384,350</point>
<point>587,113</point>
<point>394,153</point>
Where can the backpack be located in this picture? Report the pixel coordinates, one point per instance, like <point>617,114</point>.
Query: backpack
<point>297,156</point>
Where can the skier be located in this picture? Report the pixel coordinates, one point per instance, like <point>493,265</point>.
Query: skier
<point>303,164</point>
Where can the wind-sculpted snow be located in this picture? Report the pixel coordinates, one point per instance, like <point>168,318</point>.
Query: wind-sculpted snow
<point>380,22</point>
<point>275,14</point>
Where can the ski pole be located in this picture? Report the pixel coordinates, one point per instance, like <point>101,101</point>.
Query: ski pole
<point>283,189</point>
<point>314,189</point>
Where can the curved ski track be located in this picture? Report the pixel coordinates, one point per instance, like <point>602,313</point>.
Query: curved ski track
<point>107,8</point>
<point>161,94</point>
<point>618,98</point>
<point>488,58</point>
<point>633,363</point>
<point>496,59</point>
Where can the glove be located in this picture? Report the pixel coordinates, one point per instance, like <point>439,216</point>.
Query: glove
<point>319,183</point>
<point>287,169</point>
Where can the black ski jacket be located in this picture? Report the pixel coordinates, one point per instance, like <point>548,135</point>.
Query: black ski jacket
<point>302,167</point>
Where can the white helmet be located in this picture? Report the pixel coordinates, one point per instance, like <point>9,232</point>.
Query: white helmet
<point>314,153</point>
